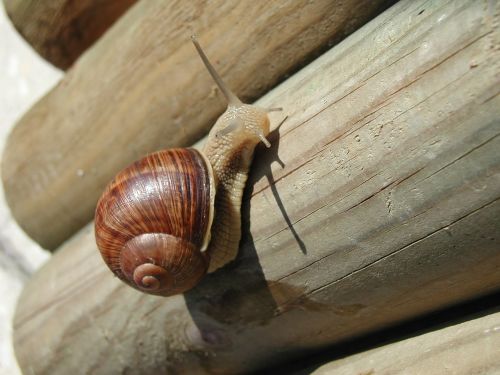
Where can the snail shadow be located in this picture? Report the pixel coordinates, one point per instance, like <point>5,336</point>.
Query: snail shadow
<point>238,295</point>
<point>269,157</point>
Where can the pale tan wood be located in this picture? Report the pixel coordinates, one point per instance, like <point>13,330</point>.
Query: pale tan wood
<point>142,87</point>
<point>471,347</point>
<point>391,181</point>
<point>61,30</point>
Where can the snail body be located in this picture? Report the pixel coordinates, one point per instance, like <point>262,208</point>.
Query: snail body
<point>174,215</point>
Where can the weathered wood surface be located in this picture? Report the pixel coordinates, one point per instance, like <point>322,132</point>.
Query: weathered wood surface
<point>61,30</point>
<point>142,87</point>
<point>471,347</point>
<point>391,181</point>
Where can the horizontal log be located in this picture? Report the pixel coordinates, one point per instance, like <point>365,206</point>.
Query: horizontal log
<point>61,30</point>
<point>386,208</point>
<point>471,347</point>
<point>142,87</point>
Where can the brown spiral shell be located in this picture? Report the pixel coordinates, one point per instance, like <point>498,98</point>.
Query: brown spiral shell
<point>152,223</point>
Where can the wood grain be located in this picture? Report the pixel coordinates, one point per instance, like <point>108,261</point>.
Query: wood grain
<point>61,30</point>
<point>471,347</point>
<point>142,87</point>
<point>391,184</point>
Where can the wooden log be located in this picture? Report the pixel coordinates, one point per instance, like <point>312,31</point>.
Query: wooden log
<point>142,87</point>
<point>471,347</point>
<point>391,180</point>
<point>61,30</point>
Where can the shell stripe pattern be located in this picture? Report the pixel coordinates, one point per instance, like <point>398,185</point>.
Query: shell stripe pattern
<point>135,203</point>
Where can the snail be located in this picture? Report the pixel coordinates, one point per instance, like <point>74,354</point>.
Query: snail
<point>171,217</point>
